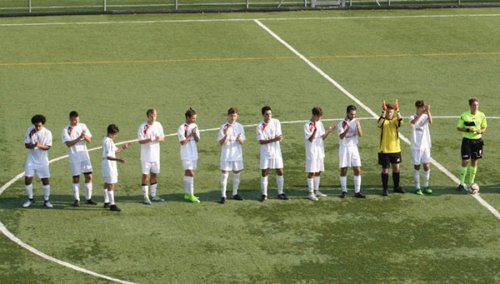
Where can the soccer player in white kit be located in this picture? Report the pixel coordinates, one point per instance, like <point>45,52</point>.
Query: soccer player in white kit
<point>150,134</point>
<point>76,135</point>
<point>189,135</point>
<point>349,131</point>
<point>421,145</point>
<point>231,136</point>
<point>315,133</point>
<point>38,141</point>
<point>109,169</point>
<point>269,136</point>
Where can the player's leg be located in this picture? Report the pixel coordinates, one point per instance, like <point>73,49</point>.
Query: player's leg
<point>280,180</point>
<point>310,168</point>
<point>264,183</point>
<point>89,187</point>
<point>395,177</point>
<point>343,182</point>
<point>383,161</point>
<point>106,196</point>
<point>344,163</point>
<point>189,173</point>
<point>416,161</point>
<point>237,168</point>
<point>225,168</point>
<point>357,182</point>
<point>75,186</point>
<point>153,183</point>
<point>477,151</point>
<point>111,195</point>
<point>46,192</point>
<point>146,170</point>
<point>28,185</point>
<point>466,152</point>
<point>317,178</point>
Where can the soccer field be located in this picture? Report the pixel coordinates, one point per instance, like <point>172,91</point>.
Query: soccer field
<point>111,69</point>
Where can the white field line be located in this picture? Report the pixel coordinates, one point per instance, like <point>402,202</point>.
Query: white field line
<point>442,16</point>
<point>370,111</point>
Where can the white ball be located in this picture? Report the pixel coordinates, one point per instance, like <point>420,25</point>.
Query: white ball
<point>474,188</point>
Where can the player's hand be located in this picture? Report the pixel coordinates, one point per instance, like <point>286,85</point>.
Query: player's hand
<point>358,123</point>
<point>121,160</point>
<point>278,138</point>
<point>384,106</point>
<point>427,108</point>
<point>226,129</point>
<point>331,128</point>
<point>396,105</point>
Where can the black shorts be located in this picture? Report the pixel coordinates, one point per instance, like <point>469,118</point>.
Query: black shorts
<point>472,149</point>
<point>386,159</point>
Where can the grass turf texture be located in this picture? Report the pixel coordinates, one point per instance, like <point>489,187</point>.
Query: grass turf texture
<point>447,237</point>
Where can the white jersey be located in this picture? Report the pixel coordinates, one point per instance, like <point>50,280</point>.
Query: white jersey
<point>231,151</point>
<point>78,152</point>
<point>351,138</point>
<point>189,151</point>
<point>267,131</point>
<point>109,150</point>
<point>150,152</point>
<point>38,156</point>
<point>316,148</point>
<point>421,135</point>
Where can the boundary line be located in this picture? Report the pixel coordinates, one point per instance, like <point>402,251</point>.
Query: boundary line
<point>366,108</point>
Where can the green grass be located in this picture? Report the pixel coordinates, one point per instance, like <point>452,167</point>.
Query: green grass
<point>112,73</point>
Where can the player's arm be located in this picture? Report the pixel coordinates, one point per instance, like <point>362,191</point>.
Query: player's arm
<point>240,139</point>
<point>344,129</point>
<point>224,135</point>
<point>358,128</point>
<point>328,131</point>
<point>125,146</point>
<point>41,146</point>
<point>82,136</point>
<point>312,136</point>
<point>195,134</point>
<point>429,114</point>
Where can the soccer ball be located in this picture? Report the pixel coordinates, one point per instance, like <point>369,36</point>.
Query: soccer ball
<point>474,188</point>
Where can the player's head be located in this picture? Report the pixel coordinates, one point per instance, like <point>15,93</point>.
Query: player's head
<point>74,118</point>
<point>420,106</point>
<point>389,114</point>
<point>317,113</point>
<point>351,112</point>
<point>190,115</point>
<point>232,114</point>
<point>267,113</point>
<point>113,130</point>
<point>38,121</point>
<point>474,104</point>
<point>151,114</point>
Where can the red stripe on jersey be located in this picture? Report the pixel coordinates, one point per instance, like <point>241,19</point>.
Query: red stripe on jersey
<point>146,127</point>
<point>264,125</point>
<point>32,132</point>
<point>186,128</point>
<point>70,129</point>
<point>311,126</point>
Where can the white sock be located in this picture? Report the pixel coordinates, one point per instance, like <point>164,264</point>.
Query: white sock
<point>280,180</point>
<point>46,192</point>
<point>223,183</point>
<point>263,185</point>
<point>187,185</point>
<point>236,183</point>
<point>343,183</point>
<point>427,175</point>
<point>88,190</point>
<point>29,190</point>
<point>106,197</point>
<point>145,191</point>
<point>357,184</point>
<point>111,196</point>
<point>191,185</point>
<point>317,179</point>
<point>76,191</point>
<point>153,188</point>
<point>416,178</point>
<point>310,185</point>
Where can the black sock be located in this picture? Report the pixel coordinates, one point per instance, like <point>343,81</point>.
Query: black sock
<point>385,180</point>
<point>395,179</point>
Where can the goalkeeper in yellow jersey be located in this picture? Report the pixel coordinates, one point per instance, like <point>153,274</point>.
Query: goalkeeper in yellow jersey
<point>390,149</point>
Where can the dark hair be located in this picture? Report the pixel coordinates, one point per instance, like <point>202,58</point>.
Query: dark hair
<point>112,129</point>
<point>317,111</point>
<point>150,111</point>
<point>73,114</point>
<point>390,106</point>
<point>419,103</point>
<point>350,108</point>
<point>265,109</point>
<point>232,110</point>
<point>38,118</point>
<point>472,100</point>
<point>190,112</point>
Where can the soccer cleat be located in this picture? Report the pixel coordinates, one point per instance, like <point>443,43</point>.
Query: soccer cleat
<point>312,197</point>
<point>385,192</point>
<point>106,205</point>
<point>418,191</point>
<point>114,208</point>
<point>222,200</point>
<point>427,190</point>
<point>343,194</point>
<point>76,203</point>
<point>147,201</point>
<point>191,198</point>
<point>282,196</point>
<point>47,204</point>
<point>263,198</point>
<point>91,202</point>
<point>399,190</point>
<point>319,193</point>
<point>237,197</point>
<point>28,203</point>
<point>462,187</point>
<point>359,195</point>
<point>156,199</point>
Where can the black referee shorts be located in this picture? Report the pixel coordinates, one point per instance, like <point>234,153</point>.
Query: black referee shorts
<point>386,159</point>
<point>472,149</point>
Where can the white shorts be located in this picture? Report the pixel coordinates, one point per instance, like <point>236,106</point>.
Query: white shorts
<point>421,156</point>
<point>315,166</point>
<point>231,166</point>
<point>189,164</point>
<point>349,157</point>
<point>81,167</point>
<point>41,171</point>
<point>111,179</point>
<point>271,163</point>
<point>150,167</point>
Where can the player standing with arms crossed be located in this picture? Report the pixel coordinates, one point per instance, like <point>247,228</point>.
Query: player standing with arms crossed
<point>421,145</point>
<point>315,133</point>
<point>189,135</point>
<point>150,134</point>
<point>38,141</point>
<point>231,136</point>
<point>473,125</point>
<point>269,136</point>
<point>349,130</point>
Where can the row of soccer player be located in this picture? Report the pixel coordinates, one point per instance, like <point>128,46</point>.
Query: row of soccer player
<point>231,137</point>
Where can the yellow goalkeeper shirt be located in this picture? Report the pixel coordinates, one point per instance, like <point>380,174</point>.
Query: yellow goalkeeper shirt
<point>389,136</point>
<point>473,122</point>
